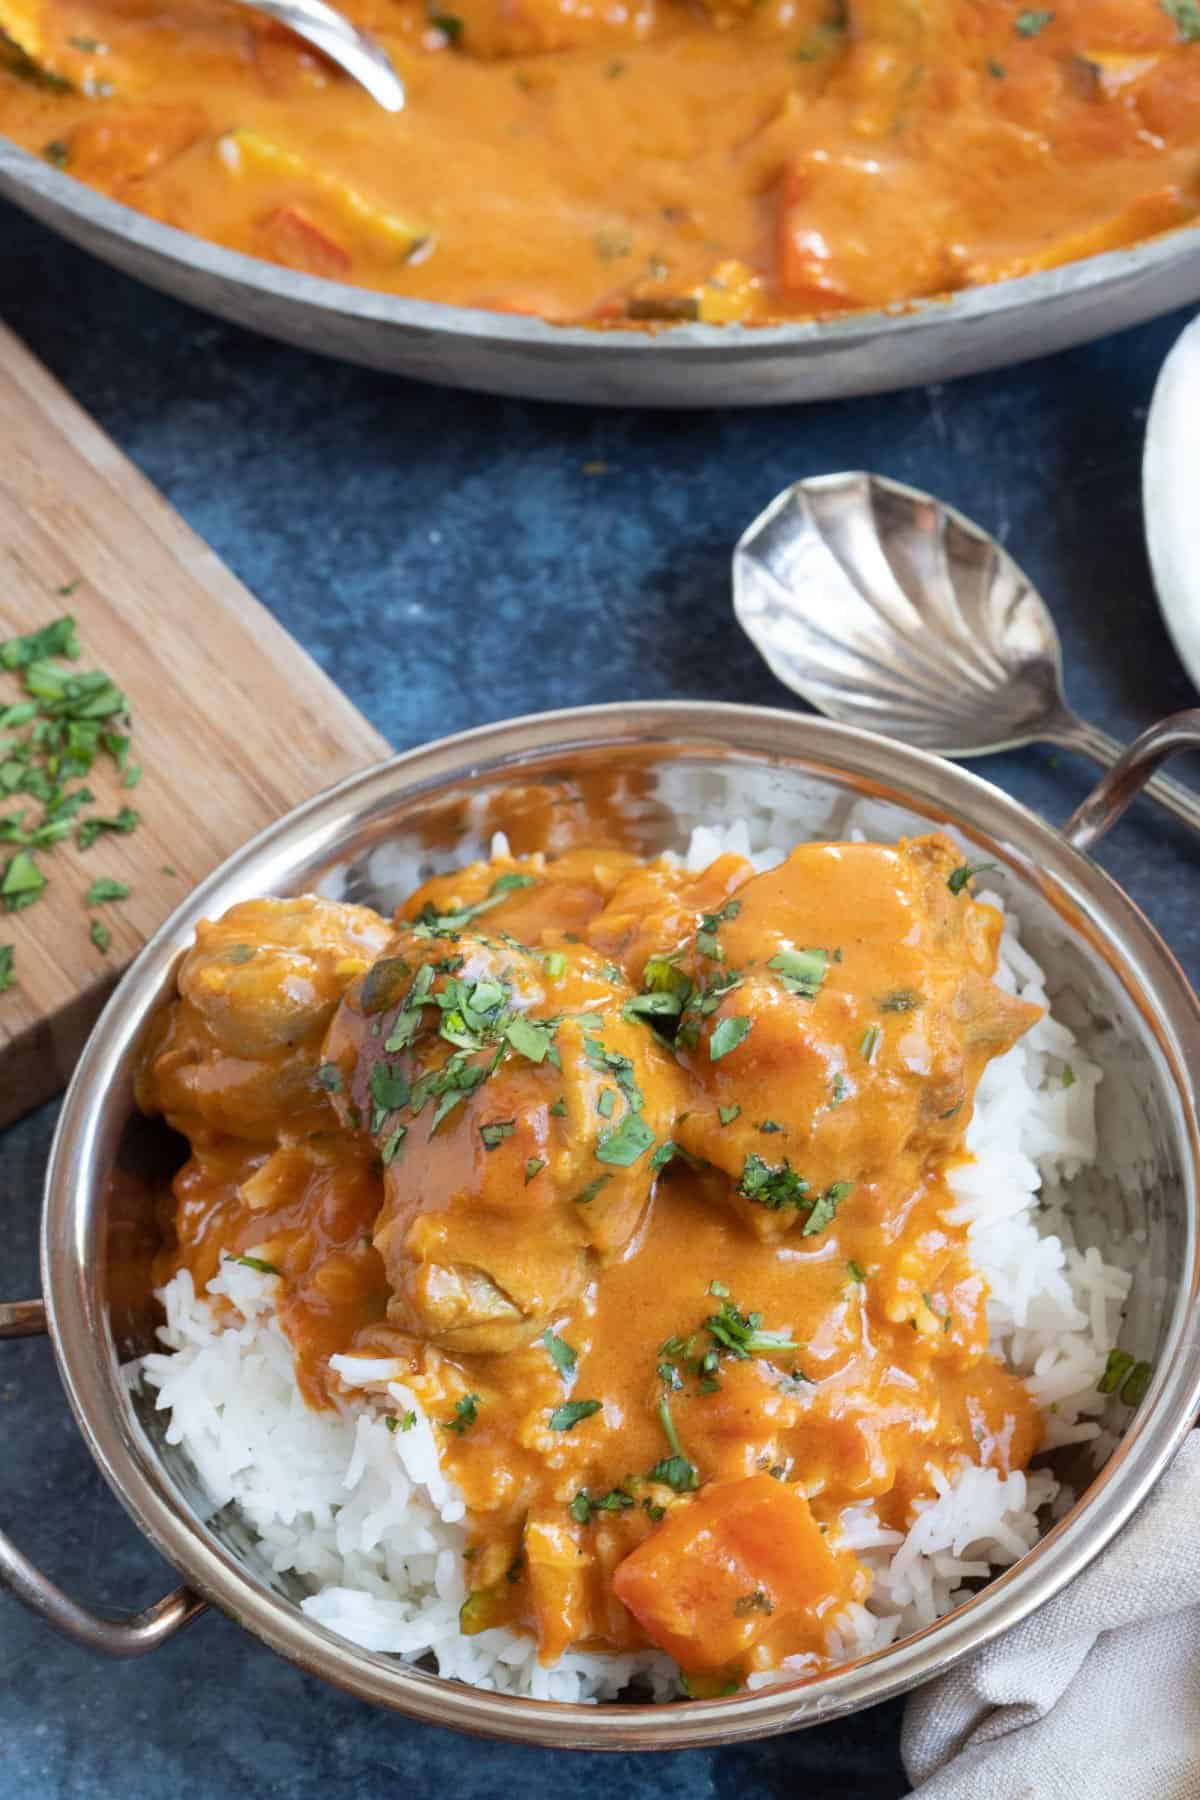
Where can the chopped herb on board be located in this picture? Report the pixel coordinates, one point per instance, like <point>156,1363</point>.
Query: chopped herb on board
<point>101,936</point>
<point>6,966</point>
<point>52,732</point>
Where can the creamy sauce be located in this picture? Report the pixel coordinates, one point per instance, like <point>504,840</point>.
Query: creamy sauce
<point>673,1275</point>
<point>644,160</point>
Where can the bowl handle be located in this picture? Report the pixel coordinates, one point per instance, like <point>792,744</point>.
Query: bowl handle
<point>115,1637</point>
<point>1129,775</point>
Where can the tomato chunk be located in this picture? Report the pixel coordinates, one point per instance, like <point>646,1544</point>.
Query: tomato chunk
<point>720,1574</point>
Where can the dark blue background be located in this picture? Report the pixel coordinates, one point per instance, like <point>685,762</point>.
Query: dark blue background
<point>450,559</point>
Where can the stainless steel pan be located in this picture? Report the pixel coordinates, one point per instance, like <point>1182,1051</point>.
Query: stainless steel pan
<point>642,774</point>
<point>688,365</point>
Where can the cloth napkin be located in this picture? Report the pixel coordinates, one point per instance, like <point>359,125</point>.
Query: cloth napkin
<point>1097,1696</point>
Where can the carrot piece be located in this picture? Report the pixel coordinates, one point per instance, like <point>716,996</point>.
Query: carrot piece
<point>721,1572</point>
<point>805,256</point>
<point>290,237</point>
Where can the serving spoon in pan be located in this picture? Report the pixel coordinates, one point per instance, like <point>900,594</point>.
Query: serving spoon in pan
<point>330,32</point>
<point>884,608</point>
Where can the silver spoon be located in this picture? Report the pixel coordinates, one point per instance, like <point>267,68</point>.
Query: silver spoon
<point>334,36</point>
<point>883,608</point>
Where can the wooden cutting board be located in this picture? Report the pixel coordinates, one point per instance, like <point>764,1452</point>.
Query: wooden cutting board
<point>233,723</point>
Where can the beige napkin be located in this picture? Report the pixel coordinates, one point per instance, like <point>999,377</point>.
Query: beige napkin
<point>1097,1696</point>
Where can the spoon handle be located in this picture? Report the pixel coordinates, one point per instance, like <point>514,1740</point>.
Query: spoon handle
<point>1181,802</point>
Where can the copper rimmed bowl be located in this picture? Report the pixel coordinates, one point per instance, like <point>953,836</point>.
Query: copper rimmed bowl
<point>689,365</point>
<point>640,775</point>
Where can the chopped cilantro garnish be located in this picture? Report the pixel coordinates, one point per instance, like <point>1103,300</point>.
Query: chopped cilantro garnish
<point>571,1412</point>
<point>727,1035</point>
<point>125,821</point>
<point>466,1411</point>
<point>675,1472</point>
<point>758,1601</point>
<point>825,1208</point>
<point>801,971</point>
<point>741,1334</point>
<point>902,1000</point>
<point>666,1153</point>
<point>1186,15</point>
<point>562,1355</point>
<point>104,889</point>
<point>727,1114</point>
<point>1029,24</point>
<point>533,1167</point>
<point>391,1147</point>
<point>769,1126</point>
<point>559,1109</point>
<point>773,1186</point>
<point>330,1077</point>
<point>390,1087</point>
<point>710,924</point>
<point>588,1194</point>
<point>622,1147</point>
<point>531,1038</point>
<point>495,1133</point>
<point>958,878</point>
<point>584,1504</point>
<point>256,1263</point>
<point>855,1271</point>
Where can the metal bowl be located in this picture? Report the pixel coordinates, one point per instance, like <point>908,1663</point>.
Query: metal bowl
<point>641,775</point>
<point>687,365</point>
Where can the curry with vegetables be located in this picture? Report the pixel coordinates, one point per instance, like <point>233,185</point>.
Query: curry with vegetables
<point>638,1175</point>
<point>633,160</point>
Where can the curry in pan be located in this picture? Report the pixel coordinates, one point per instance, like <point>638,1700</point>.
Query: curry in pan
<point>633,160</point>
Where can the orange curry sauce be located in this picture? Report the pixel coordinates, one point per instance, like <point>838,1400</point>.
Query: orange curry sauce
<point>636,1179</point>
<point>617,160</point>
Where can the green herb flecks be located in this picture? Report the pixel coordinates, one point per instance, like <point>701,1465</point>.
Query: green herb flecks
<point>757,1602</point>
<point>801,971</point>
<point>330,1077</point>
<point>534,1167</point>
<point>958,878</point>
<point>571,1412</point>
<point>562,1355</point>
<point>105,889</point>
<point>494,1134</point>
<point>466,1411</point>
<point>706,937</point>
<point>727,1034</point>
<point>902,1000</point>
<point>1030,24</point>
<point>257,1264</point>
<point>7,960</point>
<point>622,1147</point>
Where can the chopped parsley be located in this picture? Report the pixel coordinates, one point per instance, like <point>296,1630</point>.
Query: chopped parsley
<point>727,1035</point>
<point>7,955</point>
<point>768,1126</point>
<point>533,1167</point>
<point>392,1144</point>
<point>588,1194</point>
<point>330,1077</point>
<point>104,889</point>
<point>710,924</point>
<point>584,1505</point>
<point>1029,24</point>
<point>855,1272</point>
<point>666,1153</point>
<point>562,1355</point>
<point>759,1601</point>
<point>741,1335</point>
<point>495,1133</point>
<point>675,1472</point>
<point>390,1088</point>
<point>958,878</point>
<point>777,1186</point>
<point>902,1000</point>
<point>466,1411</point>
<point>571,1412</point>
<point>256,1263</point>
<point>405,1422</point>
<point>622,1147</point>
<point>801,971</point>
<point>727,1114</point>
<point>559,1109</point>
<point>101,936</point>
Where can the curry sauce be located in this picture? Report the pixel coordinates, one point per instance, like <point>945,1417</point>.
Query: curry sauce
<point>635,1180</point>
<point>626,161</point>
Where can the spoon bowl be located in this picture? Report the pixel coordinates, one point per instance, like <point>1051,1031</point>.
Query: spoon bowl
<point>330,32</point>
<point>884,608</point>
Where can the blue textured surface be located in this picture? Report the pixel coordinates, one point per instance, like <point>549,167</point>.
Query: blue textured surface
<point>450,559</point>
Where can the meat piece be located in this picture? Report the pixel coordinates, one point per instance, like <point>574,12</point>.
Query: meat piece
<point>518,1114</point>
<point>238,1052</point>
<point>658,908</point>
<point>838,1019</point>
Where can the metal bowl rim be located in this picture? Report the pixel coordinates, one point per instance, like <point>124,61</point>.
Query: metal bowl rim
<point>140,1482</point>
<point>21,170</point>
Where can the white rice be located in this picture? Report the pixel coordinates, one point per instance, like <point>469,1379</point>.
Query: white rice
<point>366,1519</point>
